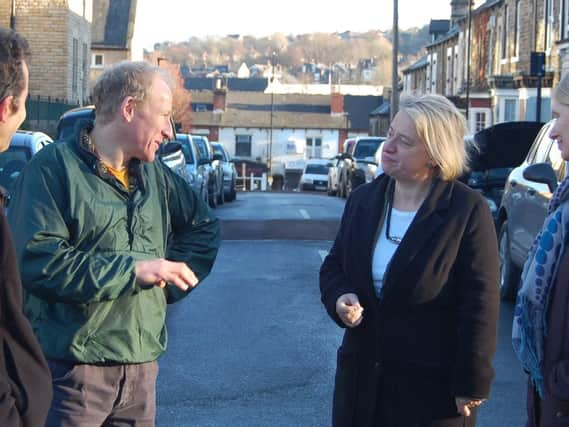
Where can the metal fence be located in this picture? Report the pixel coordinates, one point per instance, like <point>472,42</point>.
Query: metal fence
<point>44,112</point>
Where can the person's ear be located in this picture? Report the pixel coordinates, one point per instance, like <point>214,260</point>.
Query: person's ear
<point>6,108</point>
<point>128,106</point>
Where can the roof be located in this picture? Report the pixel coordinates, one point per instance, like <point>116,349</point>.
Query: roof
<point>438,26</point>
<point>383,110</point>
<point>358,109</point>
<point>253,110</point>
<point>115,16</point>
<point>421,63</point>
<point>450,35</point>
<point>233,83</point>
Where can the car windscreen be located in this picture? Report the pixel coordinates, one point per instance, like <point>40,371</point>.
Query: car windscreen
<point>218,150</point>
<point>366,148</point>
<point>12,161</point>
<point>202,146</point>
<point>188,155</point>
<point>317,169</point>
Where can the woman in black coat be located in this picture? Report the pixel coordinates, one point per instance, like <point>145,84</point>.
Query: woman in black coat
<point>413,277</point>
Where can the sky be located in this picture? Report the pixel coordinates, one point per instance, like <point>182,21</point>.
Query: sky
<point>178,20</point>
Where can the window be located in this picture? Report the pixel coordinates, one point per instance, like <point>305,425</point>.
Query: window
<point>84,71</point>
<point>479,121</point>
<point>517,29</point>
<point>505,33</point>
<point>314,147</point>
<point>243,145</point>
<point>565,19</point>
<point>98,60</point>
<point>549,18</point>
<point>509,110</point>
<point>75,68</point>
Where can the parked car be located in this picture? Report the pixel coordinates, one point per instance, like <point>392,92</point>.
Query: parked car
<point>359,164</point>
<point>496,151</point>
<point>229,173</point>
<point>194,165</point>
<point>527,192</point>
<point>315,175</point>
<point>23,146</point>
<point>211,162</point>
<point>169,152</point>
<point>334,175</point>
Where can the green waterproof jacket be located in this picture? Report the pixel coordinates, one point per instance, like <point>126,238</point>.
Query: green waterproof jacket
<point>78,233</point>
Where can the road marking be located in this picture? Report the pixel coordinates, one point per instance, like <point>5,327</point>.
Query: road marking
<point>304,213</point>
<point>322,254</point>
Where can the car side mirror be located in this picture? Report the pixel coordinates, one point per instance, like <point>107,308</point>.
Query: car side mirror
<point>542,173</point>
<point>218,157</point>
<point>345,156</point>
<point>168,148</point>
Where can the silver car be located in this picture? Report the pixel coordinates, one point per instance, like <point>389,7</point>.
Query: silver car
<point>195,170</point>
<point>23,146</point>
<point>229,173</point>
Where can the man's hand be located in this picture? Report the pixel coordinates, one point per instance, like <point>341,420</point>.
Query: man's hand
<point>158,272</point>
<point>349,309</point>
<point>463,404</point>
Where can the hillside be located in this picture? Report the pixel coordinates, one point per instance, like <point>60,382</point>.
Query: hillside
<point>350,49</point>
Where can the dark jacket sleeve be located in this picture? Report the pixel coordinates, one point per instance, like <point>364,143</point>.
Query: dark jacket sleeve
<point>333,280</point>
<point>478,304</point>
<point>195,231</point>
<point>25,381</point>
<point>55,269</point>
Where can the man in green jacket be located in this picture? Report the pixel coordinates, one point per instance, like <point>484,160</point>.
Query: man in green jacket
<point>106,237</point>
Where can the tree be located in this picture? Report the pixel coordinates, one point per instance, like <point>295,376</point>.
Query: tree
<point>181,98</point>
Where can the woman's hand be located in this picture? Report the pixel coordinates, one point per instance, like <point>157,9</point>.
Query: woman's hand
<point>463,404</point>
<point>349,310</point>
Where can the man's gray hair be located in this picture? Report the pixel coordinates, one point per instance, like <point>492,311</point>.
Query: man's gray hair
<point>124,79</point>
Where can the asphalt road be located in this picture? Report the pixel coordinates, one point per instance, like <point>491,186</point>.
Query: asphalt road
<point>252,345</point>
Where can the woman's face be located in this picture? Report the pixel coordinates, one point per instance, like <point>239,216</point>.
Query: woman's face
<point>560,130</point>
<point>404,156</point>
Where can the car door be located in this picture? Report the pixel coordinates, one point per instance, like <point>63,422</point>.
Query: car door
<point>529,199</point>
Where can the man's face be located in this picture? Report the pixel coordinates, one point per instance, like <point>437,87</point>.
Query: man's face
<point>152,122</point>
<point>15,115</point>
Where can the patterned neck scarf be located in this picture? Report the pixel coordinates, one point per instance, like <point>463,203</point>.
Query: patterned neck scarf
<point>538,276</point>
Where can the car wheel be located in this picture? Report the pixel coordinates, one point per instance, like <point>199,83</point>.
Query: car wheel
<point>212,199</point>
<point>349,186</point>
<point>221,197</point>
<point>509,274</point>
<point>232,193</point>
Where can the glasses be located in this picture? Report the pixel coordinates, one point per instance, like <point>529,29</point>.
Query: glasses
<point>388,236</point>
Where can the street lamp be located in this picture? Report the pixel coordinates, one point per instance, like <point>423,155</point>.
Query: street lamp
<point>394,69</point>
<point>468,43</point>
<point>270,154</point>
<point>13,15</point>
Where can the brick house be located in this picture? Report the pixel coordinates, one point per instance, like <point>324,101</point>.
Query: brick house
<point>114,35</point>
<point>59,33</point>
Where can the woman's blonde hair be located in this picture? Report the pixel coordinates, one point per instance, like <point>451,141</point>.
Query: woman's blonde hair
<point>561,93</point>
<point>442,128</point>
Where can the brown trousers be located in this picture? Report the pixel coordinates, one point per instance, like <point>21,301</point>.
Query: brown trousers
<point>109,396</point>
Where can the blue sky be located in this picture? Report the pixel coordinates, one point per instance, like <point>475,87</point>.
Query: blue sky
<point>178,20</point>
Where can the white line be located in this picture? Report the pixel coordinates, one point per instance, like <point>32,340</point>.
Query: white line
<point>322,254</point>
<point>304,213</point>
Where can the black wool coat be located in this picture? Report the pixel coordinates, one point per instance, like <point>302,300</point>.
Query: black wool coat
<point>432,335</point>
<point>25,380</point>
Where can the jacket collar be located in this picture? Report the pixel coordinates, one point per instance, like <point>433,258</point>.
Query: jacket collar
<point>427,221</point>
<point>86,150</point>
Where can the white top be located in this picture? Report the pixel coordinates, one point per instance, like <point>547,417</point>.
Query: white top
<point>384,249</point>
